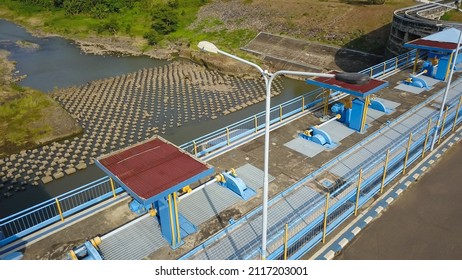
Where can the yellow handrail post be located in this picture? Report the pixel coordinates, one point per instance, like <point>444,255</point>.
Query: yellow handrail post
<point>256,124</point>
<point>364,116</point>
<point>371,71</point>
<point>325,219</point>
<point>426,137</point>
<point>407,152</point>
<point>449,66</point>
<point>396,63</point>
<point>171,219</point>
<point>384,67</point>
<point>59,210</point>
<point>177,218</point>
<point>385,166</point>
<point>442,126</point>
<point>303,104</point>
<point>112,187</point>
<point>358,191</point>
<point>286,239</point>
<point>227,135</point>
<point>415,61</point>
<point>280,113</point>
<point>195,148</point>
<point>457,114</point>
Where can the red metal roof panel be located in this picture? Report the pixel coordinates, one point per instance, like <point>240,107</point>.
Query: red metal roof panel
<point>434,44</point>
<point>152,167</point>
<point>362,89</point>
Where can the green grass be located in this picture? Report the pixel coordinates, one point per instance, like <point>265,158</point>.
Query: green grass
<point>17,117</point>
<point>453,15</point>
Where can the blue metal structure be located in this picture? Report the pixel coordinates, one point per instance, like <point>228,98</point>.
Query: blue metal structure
<point>152,173</point>
<point>354,116</point>
<point>235,184</point>
<point>441,48</point>
<point>318,136</point>
<point>12,256</point>
<point>416,81</point>
<point>87,251</point>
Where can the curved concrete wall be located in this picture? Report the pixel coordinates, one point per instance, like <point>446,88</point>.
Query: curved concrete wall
<point>415,22</point>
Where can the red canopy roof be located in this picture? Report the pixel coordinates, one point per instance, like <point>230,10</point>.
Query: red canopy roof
<point>152,167</point>
<point>357,90</point>
<point>434,44</point>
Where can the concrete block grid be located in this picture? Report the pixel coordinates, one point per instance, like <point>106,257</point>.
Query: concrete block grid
<point>339,242</point>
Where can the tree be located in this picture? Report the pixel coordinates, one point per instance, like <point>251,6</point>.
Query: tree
<point>152,37</point>
<point>164,19</point>
<point>111,26</point>
<point>74,7</point>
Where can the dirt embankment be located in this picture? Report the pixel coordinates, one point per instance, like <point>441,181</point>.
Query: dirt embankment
<point>334,22</point>
<point>125,45</point>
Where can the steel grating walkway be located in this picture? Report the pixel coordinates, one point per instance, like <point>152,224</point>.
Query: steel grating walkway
<point>252,176</point>
<point>207,203</point>
<point>248,235</point>
<point>133,241</point>
<point>305,147</point>
<point>213,199</point>
<point>336,130</point>
<point>242,240</point>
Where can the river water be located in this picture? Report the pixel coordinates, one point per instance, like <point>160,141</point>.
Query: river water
<point>58,63</point>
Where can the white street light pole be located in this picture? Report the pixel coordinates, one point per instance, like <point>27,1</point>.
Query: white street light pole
<point>351,78</point>
<point>448,85</point>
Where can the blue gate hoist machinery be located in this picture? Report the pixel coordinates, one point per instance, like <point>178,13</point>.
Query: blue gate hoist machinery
<point>416,81</point>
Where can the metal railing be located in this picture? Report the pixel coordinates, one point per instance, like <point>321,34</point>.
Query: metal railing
<point>54,210</point>
<point>57,209</point>
<point>220,139</point>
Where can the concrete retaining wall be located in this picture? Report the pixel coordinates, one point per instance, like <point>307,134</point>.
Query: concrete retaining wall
<point>415,22</point>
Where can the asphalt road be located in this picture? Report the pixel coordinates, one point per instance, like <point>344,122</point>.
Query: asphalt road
<point>424,223</point>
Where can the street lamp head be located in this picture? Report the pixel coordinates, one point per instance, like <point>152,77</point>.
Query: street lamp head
<point>353,78</point>
<point>207,47</point>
